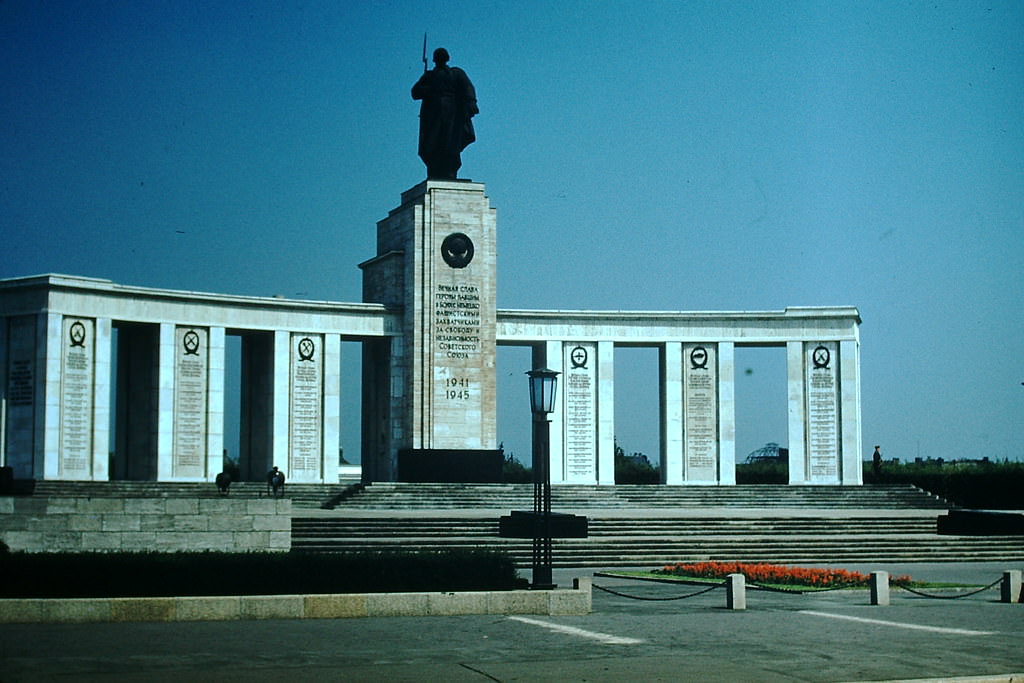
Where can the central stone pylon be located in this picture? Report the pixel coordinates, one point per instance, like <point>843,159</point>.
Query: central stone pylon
<point>430,393</point>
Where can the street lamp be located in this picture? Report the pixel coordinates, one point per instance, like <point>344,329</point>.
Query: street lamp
<point>543,385</point>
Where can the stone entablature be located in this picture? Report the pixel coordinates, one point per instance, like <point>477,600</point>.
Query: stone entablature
<point>97,298</point>
<point>753,328</point>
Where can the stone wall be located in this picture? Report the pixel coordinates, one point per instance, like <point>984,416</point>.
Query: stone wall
<point>138,524</point>
<point>574,602</point>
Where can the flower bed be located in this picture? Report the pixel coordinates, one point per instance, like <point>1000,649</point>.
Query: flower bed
<point>774,574</point>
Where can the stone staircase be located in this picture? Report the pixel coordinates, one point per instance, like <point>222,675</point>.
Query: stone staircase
<point>569,498</point>
<point>629,525</point>
<point>655,525</point>
<point>303,496</point>
<point>637,541</point>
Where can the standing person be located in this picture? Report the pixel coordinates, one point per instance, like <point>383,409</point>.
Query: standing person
<point>876,462</point>
<point>446,116</point>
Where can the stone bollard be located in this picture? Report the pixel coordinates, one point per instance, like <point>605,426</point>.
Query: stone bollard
<point>1010,590</point>
<point>736,592</point>
<point>880,588</point>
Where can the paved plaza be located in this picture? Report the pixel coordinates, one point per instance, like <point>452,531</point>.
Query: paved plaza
<point>835,636</point>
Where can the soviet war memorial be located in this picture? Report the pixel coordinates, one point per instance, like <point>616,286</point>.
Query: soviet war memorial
<point>530,347</point>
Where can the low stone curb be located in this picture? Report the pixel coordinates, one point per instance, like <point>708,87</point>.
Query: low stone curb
<point>566,602</point>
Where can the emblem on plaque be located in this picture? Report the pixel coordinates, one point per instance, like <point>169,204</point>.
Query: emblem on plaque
<point>306,349</point>
<point>190,342</point>
<point>457,250</point>
<point>578,357</point>
<point>76,334</point>
<point>699,358</point>
<point>821,357</point>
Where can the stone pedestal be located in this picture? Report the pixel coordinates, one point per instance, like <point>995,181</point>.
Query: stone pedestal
<point>436,261</point>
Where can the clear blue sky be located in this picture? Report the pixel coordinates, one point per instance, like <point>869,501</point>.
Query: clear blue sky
<point>655,156</point>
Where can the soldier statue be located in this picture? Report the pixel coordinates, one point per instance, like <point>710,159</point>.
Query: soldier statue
<point>446,116</point>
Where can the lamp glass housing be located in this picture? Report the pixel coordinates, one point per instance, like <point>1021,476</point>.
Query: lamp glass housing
<point>543,385</point>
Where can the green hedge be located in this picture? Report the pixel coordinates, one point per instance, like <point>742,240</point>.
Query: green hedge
<point>991,485</point>
<point>986,485</point>
<point>65,575</point>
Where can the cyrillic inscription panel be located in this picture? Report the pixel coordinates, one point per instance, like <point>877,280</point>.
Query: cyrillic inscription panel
<point>78,341</point>
<point>700,410</point>
<point>822,412</point>
<point>191,378</point>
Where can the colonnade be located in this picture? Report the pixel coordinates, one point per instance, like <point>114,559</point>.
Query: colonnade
<point>697,407</point>
<point>68,345</point>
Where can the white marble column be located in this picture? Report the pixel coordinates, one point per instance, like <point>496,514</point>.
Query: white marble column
<point>797,401</point>
<point>280,398</point>
<point>726,413</point>
<point>850,422</point>
<point>670,361</point>
<point>165,404</point>
<point>215,403</point>
<point>332,408</point>
<point>606,413</point>
<point>101,401</point>
<point>48,368</point>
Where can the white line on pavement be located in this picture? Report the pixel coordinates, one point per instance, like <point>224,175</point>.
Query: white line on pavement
<point>916,627</point>
<point>573,631</point>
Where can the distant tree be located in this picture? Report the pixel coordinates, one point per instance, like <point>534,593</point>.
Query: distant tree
<point>634,469</point>
<point>513,471</point>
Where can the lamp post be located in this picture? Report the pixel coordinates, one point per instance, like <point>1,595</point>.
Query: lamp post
<point>543,384</point>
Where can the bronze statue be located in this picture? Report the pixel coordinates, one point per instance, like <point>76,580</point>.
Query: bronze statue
<point>446,116</point>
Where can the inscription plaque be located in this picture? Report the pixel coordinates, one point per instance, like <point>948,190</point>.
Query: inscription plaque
<point>20,416</point>
<point>191,378</point>
<point>458,360</point>
<point>580,414</point>
<point>305,438</point>
<point>822,412</point>
<point>700,410</point>
<point>76,398</point>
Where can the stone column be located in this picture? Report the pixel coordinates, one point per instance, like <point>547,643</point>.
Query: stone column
<point>215,404</point>
<point>702,394</point>
<point>606,413</point>
<point>822,389</point>
<point>850,431</point>
<point>101,444</point>
<point>76,399</point>
<point>670,362</point>
<point>279,400</point>
<point>48,361</point>
<point>191,405</point>
<point>578,400</point>
<point>21,392</point>
<point>726,413</point>
<point>305,408</point>
<point>165,403</point>
<point>332,408</point>
<point>797,412</point>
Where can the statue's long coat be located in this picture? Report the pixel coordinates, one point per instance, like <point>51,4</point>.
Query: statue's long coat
<point>446,123</point>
